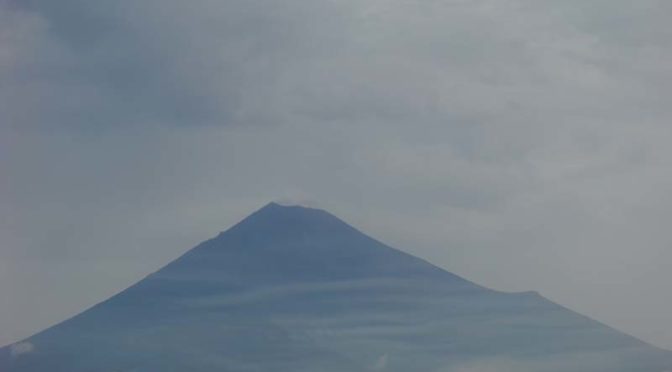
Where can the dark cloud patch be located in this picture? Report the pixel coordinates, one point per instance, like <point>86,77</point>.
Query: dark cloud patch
<point>125,63</point>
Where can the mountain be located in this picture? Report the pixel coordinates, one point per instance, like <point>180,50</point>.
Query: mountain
<point>294,289</point>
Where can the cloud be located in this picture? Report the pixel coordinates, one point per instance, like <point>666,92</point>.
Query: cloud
<point>124,63</point>
<point>559,362</point>
<point>131,67</point>
<point>21,348</point>
<point>381,363</point>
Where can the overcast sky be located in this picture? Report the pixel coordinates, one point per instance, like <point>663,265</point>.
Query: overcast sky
<point>523,144</point>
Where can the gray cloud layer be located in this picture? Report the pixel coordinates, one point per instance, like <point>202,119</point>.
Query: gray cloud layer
<point>520,143</point>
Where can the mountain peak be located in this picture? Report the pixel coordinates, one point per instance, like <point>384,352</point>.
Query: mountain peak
<point>279,243</point>
<point>289,219</point>
<point>276,207</point>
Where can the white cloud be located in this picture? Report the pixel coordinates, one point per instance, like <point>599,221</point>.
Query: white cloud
<point>381,363</point>
<point>554,363</point>
<point>21,348</point>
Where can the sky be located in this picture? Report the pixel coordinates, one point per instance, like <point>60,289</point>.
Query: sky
<point>522,144</point>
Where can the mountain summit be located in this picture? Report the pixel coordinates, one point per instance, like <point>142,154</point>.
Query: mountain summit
<point>294,289</point>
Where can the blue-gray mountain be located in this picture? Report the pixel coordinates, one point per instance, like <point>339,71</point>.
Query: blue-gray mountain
<point>293,289</point>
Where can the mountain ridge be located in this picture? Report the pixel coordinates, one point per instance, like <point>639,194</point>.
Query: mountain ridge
<point>291,288</point>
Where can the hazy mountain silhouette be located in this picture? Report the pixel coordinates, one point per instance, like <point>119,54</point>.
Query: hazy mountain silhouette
<point>294,289</point>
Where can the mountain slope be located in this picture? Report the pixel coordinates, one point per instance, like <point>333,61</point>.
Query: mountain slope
<point>296,289</point>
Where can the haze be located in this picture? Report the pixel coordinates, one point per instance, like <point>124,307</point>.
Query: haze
<point>522,144</point>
